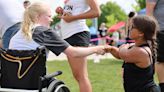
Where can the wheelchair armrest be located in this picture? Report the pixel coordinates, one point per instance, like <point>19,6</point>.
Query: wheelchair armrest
<point>52,75</point>
<point>41,48</point>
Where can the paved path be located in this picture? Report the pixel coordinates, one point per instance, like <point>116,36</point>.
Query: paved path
<point>62,56</point>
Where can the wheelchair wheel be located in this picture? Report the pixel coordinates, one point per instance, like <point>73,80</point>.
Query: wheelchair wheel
<point>57,86</point>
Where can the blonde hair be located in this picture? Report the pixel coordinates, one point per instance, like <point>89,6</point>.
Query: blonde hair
<point>31,15</point>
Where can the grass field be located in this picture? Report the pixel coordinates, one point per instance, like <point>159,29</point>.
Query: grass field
<point>105,76</point>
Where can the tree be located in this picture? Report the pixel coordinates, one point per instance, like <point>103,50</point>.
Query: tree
<point>141,5</point>
<point>111,14</point>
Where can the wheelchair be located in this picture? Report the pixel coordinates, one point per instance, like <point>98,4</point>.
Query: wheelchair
<point>25,71</point>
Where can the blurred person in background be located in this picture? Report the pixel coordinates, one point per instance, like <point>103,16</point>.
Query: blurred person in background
<point>26,3</point>
<point>115,37</point>
<point>94,42</point>
<point>10,19</point>
<point>102,33</point>
<point>155,8</point>
<point>93,32</point>
<point>128,25</point>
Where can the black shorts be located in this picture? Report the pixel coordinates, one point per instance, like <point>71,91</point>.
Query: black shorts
<point>160,49</point>
<point>79,39</point>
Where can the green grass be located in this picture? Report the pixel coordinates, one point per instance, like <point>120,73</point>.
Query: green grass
<point>104,76</point>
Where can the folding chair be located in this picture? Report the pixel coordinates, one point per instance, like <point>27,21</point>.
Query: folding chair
<point>26,70</point>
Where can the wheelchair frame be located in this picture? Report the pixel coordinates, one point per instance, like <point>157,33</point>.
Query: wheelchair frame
<point>54,86</point>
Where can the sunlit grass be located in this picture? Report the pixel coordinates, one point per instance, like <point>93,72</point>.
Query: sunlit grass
<point>105,76</point>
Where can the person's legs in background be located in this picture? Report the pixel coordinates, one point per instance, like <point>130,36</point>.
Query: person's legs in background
<point>94,37</point>
<point>160,59</point>
<point>96,58</point>
<point>79,65</point>
<point>10,32</point>
<point>160,74</point>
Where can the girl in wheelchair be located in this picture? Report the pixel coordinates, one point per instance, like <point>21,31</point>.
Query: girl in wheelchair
<point>35,31</point>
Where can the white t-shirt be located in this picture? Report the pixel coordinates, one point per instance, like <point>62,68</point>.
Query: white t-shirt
<point>74,7</point>
<point>19,42</point>
<point>41,36</point>
<point>11,12</point>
